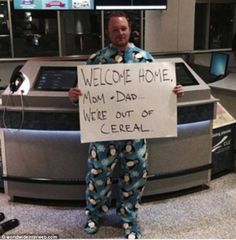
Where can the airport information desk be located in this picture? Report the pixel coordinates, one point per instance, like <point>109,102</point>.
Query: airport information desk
<point>225,90</point>
<point>41,150</point>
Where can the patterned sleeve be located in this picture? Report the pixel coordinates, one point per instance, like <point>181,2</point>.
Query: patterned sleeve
<point>100,57</point>
<point>94,58</point>
<point>139,55</point>
<point>147,57</point>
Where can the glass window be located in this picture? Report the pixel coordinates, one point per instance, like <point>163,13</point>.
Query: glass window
<point>81,32</point>
<point>214,24</point>
<point>5,49</point>
<point>221,25</point>
<point>35,33</point>
<point>201,26</point>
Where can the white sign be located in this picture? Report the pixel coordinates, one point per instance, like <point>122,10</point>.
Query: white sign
<point>127,101</point>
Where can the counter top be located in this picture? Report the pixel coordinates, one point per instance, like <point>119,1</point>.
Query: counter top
<point>228,83</point>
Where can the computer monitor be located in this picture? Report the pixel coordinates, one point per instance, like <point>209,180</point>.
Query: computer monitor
<point>219,64</point>
<point>56,78</point>
<point>53,4</point>
<point>184,76</point>
<point>131,4</point>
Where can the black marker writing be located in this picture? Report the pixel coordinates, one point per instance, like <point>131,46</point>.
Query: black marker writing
<point>149,76</point>
<point>93,115</point>
<point>119,128</point>
<point>120,96</point>
<point>146,113</point>
<point>99,76</point>
<point>93,99</point>
<point>124,114</point>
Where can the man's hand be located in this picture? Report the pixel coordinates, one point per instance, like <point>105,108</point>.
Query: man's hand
<point>178,90</point>
<point>74,94</point>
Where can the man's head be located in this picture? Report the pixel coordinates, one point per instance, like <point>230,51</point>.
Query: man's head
<point>119,30</point>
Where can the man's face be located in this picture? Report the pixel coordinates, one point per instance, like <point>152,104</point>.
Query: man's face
<point>119,32</point>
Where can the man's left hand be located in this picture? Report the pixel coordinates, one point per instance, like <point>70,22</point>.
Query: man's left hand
<point>178,90</point>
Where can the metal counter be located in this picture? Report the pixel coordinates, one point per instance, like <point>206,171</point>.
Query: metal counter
<point>44,159</point>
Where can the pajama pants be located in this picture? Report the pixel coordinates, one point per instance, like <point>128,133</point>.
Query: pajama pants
<point>103,157</point>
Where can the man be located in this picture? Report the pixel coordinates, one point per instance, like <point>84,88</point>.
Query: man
<point>131,154</point>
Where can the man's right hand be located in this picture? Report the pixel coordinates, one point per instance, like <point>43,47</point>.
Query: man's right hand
<point>74,94</point>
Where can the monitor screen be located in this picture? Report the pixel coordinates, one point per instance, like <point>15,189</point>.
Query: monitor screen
<point>90,4</point>
<point>219,64</point>
<point>184,76</point>
<point>54,4</point>
<point>56,78</point>
<point>130,4</point>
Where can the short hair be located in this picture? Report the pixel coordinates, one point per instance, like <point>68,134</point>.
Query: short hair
<point>234,43</point>
<point>118,14</point>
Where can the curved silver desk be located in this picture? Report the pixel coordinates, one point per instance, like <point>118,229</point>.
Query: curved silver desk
<point>225,91</point>
<point>45,159</point>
